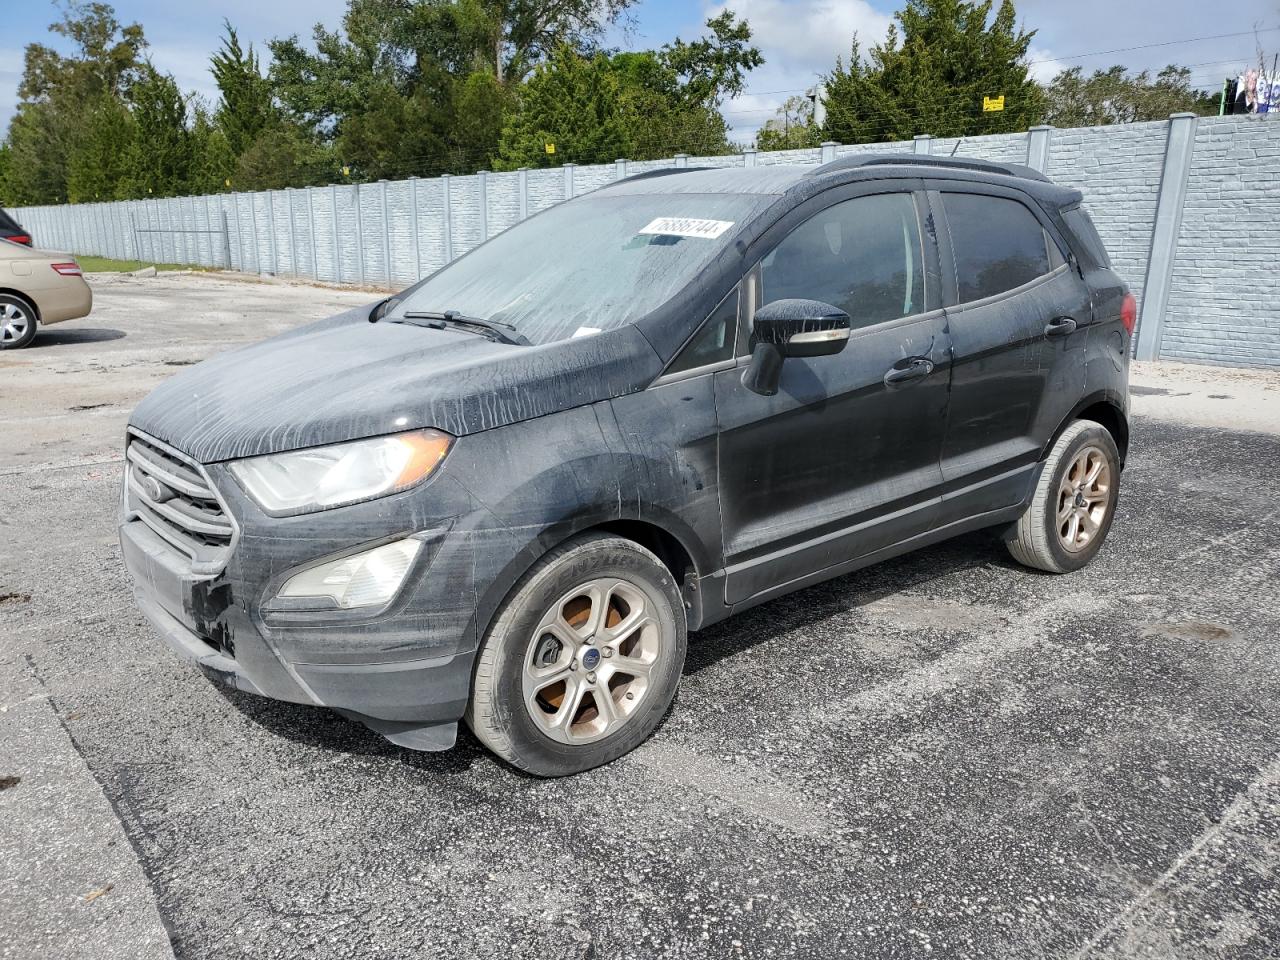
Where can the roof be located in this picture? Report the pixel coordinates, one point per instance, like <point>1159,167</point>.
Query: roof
<point>781,179</point>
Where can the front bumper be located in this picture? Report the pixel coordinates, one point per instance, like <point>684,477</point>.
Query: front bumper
<point>404,670</point>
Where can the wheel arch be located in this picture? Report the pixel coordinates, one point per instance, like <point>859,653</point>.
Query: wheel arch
<point>26,298</point>
<point>664,543</point>
<point>1102,407</point>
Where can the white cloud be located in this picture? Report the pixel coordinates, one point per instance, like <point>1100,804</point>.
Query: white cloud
<point>800,40</point>
<point>1043,66</point>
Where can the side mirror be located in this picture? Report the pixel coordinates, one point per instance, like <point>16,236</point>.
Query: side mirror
<point>791,328</point>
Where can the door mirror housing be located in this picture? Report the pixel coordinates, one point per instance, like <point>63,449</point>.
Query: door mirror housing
<point>791,328</point>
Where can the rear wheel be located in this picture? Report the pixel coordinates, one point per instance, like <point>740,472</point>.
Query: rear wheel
<point>17,322</point>
<point>583,659</point>
<point>1074,503</point>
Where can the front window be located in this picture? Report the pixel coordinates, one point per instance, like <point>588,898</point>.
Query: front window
<point>862,255</point>
<point>593,264</point>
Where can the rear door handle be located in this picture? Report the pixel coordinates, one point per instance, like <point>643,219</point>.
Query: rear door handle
<point>1060,327</point>
<point>908,370</point>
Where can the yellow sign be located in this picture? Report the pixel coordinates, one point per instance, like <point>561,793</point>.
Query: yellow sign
<point>227,181</point>
<point>992,104</point>
<point>346,171</point>
<point>551,148</point>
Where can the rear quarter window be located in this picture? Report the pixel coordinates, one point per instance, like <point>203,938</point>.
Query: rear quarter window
<point>1086,235</point>
<point>8,223</point>
<point>998,244</point>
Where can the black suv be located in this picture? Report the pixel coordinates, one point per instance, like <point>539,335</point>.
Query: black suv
<point>507,494</point>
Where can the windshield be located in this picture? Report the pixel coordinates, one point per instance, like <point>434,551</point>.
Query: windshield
<point>588,265</point>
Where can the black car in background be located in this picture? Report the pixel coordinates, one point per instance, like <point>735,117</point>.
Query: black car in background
<point>11,230</point>
<point>507,494</point>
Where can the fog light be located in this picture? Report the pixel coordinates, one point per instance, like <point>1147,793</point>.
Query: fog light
<point>364,580</point>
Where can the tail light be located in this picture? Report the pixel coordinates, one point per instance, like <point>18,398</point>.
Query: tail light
<point>21,238</point>
<point>1129,313</point>
<point>71,269</point>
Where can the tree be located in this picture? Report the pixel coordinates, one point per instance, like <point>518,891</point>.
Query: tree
<point>422,86</point>
<point>283,156</point>
<point>571,102</point>
<point>510,37</point>
<point>246,107</point>
<point>792,129</point>
<point>640,105</point>
<point>940,60</point>
<point>99,162</point>
<point>1114,96</point>
<point>60,96</point>
<point>162,155</point>
<point>6,158</point>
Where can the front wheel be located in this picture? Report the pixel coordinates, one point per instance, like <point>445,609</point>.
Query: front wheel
<point>583,659</point>
<point>1074,502</point>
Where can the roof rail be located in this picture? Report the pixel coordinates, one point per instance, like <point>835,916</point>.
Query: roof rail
<point>927,160</point>
<point>649,174</point>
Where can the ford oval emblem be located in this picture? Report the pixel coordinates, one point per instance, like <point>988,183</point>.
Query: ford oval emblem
<point>156,491</point>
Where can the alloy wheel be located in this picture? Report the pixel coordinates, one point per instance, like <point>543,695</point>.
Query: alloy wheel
<point>588,666</point>
<point>1084,497</point>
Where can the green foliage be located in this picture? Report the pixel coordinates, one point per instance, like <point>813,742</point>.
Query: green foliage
<point>1115,96</point>
<point>422,86</point>
<point>596,108</point>
<point>246,107</point>
<point>162,155</point>
<point>572,103</point>
<point>931,74</point>
<point>794,129</point>
<point>282,156</point>
<point>6,158</point>
<point>57,131</point>
<point>99,163</point>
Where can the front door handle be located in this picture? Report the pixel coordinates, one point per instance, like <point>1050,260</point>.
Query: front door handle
<point>1060,327</point>
<point>907,370</point>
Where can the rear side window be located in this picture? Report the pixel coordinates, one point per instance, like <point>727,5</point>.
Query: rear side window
<point>1081,226</point>
<point>8,223</point>
<point>863,255</point>
<point>998,244</point>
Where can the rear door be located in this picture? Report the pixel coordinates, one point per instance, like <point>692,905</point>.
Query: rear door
<point>843,460</point>
<point>1018,316</point>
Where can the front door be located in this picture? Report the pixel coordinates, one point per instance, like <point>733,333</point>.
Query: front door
<point>844,459</point>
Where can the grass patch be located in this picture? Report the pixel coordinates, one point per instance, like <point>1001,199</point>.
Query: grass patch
<point>107,265</point>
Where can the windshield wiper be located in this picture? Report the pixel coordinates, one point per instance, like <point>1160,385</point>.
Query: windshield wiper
<point>502,332</point>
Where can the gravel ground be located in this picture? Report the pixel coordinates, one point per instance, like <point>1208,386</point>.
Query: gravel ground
<point>945,755</point>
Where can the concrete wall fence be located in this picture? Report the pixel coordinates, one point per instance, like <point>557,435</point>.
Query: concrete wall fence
<point>1189,209</point>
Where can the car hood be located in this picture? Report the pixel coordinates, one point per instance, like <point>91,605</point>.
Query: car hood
<point>345,378</point>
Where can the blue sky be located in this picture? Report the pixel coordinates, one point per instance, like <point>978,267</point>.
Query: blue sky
<point>800,38</point>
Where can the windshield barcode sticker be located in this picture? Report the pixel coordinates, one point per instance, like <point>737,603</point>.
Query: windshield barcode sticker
<point>687,227</point>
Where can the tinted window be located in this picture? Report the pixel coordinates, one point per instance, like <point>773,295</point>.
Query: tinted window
<point>998,244</point>
<point>8,223</point>
<point>863,256</point>
<point>1081,225</point>
<point>714,342</point>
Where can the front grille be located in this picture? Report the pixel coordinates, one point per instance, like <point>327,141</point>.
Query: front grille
<point>172,495</point>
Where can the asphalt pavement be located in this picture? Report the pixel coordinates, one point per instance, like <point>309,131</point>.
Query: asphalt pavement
<point>946,755</point>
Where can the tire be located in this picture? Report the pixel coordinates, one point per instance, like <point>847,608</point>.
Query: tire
<point>1046,537</point>
<point>546,651</point>
<point>17,321</point>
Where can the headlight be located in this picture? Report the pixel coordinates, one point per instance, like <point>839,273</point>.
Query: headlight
<point>305,480</point>
<point>364,580</point>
